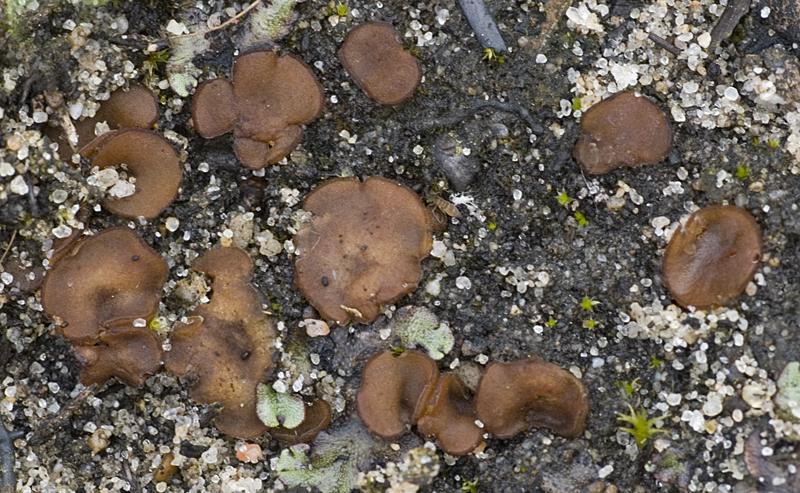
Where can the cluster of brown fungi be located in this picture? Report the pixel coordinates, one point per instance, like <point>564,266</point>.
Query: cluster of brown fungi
<point>399,391</point>
<point>715,253</point>
<point>360,250</point>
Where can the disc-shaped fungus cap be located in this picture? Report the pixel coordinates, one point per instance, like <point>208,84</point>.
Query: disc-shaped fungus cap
<point>135,106</point>
<point>712,256</point>
<point>111,279</point>
<point>623,130</point>
<point>265,104</point>
<point>520,395</point>
<point>374,57</point>
<point>152,160</point>
<point>126,352</point>
<point>362,247</point>
<point>450,417</point>
<point>394,390</point>
<point>225,346</point>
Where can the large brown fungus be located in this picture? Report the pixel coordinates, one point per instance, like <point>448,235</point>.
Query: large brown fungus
<point>225,346</point>
<point>153,162</point>
<point>623,130</point>
<point>362,247</point>
<point>265,104</point>
<point>394,391</point>
<point>374,57</point>
<point>102,294</point>
<point>113,278</point>
<point>530,393</point>
<point>712,256</point>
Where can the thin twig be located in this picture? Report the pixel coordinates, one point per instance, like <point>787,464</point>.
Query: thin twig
<point>224,24</point>
<point>8,478</point>
<point>663,43</point>
<point>8,248</point>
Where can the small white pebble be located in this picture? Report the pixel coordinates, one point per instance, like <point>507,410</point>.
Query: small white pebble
<point>463,282</point>
<point>605,471</point>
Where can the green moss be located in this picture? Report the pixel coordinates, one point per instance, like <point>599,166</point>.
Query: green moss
<point>576,103</point>
<point>563,198</point>
<point>588,304</point>
<point>643,428</point>
<point>470,486</point>
<point>581,219</point>
<point>742,172</point>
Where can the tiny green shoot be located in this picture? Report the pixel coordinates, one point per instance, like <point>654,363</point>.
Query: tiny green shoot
<point>563,197</point>
<point>742,172</point>
<point>397,350</point>
<point>774,142</point>
<point>655,362</point>
<point>492,226</point>
<point>643,428</point>
<point>551,322</point>
<point>470,486</point>
<point>581,219</point>
<point>576,103</point>
<point>590,324</point>
<point>588,304</point>
<point>628,387</point>
<point>341,9</point>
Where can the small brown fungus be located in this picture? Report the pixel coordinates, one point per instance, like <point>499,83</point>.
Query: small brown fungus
<point>530,393</point>
<point>374,57</point>
<point>712,256</point>
<point>362,247</point>
<point>265,104</point>
<point>135,106</point>
<point>623,130</point>
<point>102,293</point>
<point>394,391</point>
<point>153,162</point>
<point>126,352</point>
<point>225,346</point>
<point>98,284</point>
<point>450,416</point>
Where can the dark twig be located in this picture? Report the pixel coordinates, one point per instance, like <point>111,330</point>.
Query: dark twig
<point>8,478</point>
<point>663,43</point>
<point>731,16</point>
<point>8,247</point>
<point>482,23</point>
<point>128,474</point>
<point>56,421</point>
<point>480,104</point>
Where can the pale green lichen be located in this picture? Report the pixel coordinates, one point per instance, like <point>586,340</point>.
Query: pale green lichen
<point>181,71</point>
<point>276,409</point>
<point>333,467</point>
<point>788,397</point>
<point>419,325</point>
<point>268,23</point>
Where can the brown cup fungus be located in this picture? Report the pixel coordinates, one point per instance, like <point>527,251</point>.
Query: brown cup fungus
<point>450,416</point>
<point>362,247</point>
<point>374,57</point>
<point>623,130</point>
<point>224,347</point>
<point>265,104</point>
<point>153,163</point>
<point>712,256</point>
<point>102,294</point>
<point>394,391</point>
<point>133,107</point>
<point>530,393</point>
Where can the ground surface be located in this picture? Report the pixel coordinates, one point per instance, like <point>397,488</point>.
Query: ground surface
<point>529,258</point>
